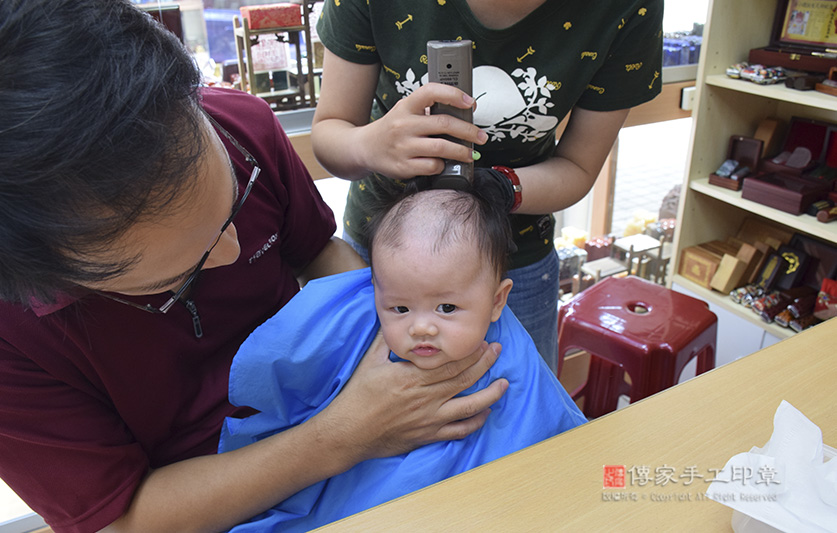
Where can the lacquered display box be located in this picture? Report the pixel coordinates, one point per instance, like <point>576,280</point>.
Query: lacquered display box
<point>746,152</point>
<point>785,192</point>
<point>802,37</point>
<point>803,149</point>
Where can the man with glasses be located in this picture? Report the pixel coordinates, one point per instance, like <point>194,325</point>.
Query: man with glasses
<point>147,226</point>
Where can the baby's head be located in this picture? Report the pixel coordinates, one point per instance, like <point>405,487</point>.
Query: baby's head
<point>438,266</point>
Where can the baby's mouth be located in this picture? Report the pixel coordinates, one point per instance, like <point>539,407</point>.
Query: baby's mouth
<point>425,350</point>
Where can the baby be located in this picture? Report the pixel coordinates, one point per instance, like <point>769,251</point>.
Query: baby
<point>436,290</point>
<point>438,265</point>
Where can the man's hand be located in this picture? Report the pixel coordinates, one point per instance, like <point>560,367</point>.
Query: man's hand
<point>388,408</point>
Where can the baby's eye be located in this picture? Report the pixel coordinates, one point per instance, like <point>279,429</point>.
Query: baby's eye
<point>401,309</point>
<point>446,308</point>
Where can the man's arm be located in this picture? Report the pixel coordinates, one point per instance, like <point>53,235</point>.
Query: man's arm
<point>336,256</point>
<point>215,492</point>
<point>385,409</point>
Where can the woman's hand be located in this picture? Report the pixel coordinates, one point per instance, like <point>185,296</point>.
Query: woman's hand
<point>402,144</point>
<point>405,142</point>
<point>388,408</point>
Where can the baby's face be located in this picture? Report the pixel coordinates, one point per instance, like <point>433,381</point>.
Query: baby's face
<point>435,308</point>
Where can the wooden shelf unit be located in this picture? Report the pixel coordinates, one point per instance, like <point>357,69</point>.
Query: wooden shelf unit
<point>726,107</point>
<point>245,37</point>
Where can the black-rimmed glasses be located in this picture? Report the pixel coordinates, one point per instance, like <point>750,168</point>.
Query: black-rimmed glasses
<point>193,276</point>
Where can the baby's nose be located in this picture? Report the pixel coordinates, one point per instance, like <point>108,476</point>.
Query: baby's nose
<point>423,328</point>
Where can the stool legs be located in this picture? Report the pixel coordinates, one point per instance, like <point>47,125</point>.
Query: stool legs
<point>706,360</point>
<point>606,380</point>
<point>605,383</point>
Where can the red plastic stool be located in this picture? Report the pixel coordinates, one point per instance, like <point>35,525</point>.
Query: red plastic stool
<point>633,325</point>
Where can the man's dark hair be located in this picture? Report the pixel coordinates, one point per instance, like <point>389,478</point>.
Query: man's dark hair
<point>99,129</point>
<point>464,216</point>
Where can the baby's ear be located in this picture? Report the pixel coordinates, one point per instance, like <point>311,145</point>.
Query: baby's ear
<point>500,298</point>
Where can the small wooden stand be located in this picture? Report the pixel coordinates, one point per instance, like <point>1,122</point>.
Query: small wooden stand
<point>291,98</point>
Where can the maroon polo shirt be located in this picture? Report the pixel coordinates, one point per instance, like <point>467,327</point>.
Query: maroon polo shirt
<point>93,393</point>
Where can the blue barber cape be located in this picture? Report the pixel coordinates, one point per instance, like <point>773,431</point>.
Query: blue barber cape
<point>292,366</point>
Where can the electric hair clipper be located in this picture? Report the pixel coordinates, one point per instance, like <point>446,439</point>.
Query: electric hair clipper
<point>450,63</point>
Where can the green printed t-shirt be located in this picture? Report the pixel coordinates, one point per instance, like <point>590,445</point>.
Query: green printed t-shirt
<point>602,56</point>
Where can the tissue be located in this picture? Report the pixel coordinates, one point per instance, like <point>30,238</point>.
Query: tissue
<point>788,485</point>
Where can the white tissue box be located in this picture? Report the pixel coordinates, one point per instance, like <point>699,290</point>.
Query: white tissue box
<point>802,493</point>
<point>742,523</point>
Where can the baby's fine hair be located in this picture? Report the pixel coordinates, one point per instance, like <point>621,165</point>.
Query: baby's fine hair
<point>448,217</point>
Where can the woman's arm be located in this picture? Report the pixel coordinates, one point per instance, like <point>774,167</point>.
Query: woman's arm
<point>567,176</point>
<point>399,145</point>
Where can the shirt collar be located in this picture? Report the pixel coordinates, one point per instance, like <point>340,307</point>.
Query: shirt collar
<point>62,300</point>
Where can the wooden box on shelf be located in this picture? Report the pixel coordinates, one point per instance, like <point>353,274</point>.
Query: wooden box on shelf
<point>771,132</point>
<point>823,259</point>
<point>753,230</point>
<point>785,192</point>
<point>829,87</point>
<point>800,39</point>
<point>698,265</point>
<point>746,152</point>
<point>753,256</point>
<point>729,274</point>
<point>803,149</point>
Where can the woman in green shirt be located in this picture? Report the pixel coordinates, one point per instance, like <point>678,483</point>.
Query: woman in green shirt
<point>534,62</point>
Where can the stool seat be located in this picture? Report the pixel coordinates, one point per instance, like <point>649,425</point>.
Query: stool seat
<point>631,325</point>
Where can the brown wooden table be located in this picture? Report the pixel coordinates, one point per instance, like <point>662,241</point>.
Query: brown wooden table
<point>557,485</point>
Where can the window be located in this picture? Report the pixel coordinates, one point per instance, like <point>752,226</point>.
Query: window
<point>652,157</point>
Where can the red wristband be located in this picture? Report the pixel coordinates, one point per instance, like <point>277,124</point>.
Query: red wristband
<point>518,190</point>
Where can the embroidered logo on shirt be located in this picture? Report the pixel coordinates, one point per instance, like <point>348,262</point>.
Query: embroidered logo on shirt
<point>265,247</point>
